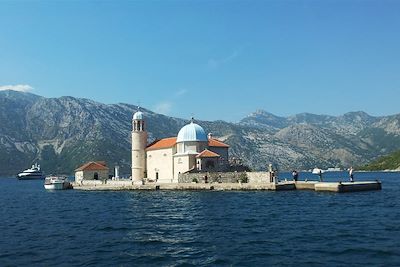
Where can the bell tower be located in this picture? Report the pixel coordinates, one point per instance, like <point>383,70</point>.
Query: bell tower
<point>139,143</point>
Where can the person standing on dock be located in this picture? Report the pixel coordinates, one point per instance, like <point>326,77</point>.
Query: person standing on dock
<point>295,175</point>
<point>320,175</point>
<point>351,175</point>
<point>271,174</point>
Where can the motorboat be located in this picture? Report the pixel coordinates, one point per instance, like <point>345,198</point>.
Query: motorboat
<point>34,173</point>
<point>57,183</point>
<point>334,169</point>
<point>317,171</point>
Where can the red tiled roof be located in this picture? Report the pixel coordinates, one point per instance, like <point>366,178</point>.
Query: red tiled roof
<point>216,143</point>
<point>93,166</point>
<point>171,141</point>
<point>163,143</point>
<point>207,154</point>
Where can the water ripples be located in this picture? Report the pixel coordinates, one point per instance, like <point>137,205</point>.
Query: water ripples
<point>72,228</point>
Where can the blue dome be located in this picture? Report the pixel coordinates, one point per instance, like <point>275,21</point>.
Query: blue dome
<point>192,132</point>
<point>138,115</point>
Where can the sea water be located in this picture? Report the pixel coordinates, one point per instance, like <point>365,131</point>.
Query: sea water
<point>200,228</point>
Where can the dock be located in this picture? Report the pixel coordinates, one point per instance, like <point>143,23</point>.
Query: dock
<point>338,187</point>
<point>186,186</point>
<point>343,187</point>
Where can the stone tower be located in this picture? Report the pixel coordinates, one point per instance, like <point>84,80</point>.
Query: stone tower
<point>139,143</point>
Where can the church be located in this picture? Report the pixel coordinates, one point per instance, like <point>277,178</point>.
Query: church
<point>192,150</point>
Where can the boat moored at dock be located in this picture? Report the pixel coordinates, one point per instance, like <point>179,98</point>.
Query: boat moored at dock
<point>57,183</point>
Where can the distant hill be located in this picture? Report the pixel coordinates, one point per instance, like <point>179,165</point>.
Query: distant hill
<point>389,162</point>
<point>62,133</point>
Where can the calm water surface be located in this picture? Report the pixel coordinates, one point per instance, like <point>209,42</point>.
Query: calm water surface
<point>292,228</point>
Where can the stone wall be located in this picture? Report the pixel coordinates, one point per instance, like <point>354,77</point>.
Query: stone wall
<point>212,177</point>
<point>105,182</point>
<point>259,177</point>
<point>89,175</point>
<point>90,182</point>
<point>119,182</point>
<point>225,177</point>
<point>160,164</point>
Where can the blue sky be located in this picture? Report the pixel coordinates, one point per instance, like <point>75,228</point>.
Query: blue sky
<point>211,59</point>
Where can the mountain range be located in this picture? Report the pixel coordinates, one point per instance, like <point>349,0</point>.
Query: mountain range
<point>62,133</point>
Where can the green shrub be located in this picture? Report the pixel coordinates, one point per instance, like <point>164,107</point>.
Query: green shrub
<point>243,178</point>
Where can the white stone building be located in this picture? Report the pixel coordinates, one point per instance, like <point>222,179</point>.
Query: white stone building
<point>93,170</point>
<point>163,160</point>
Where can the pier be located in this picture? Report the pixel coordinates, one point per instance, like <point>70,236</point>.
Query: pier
<point>339,187</point>
<point>342,187</point>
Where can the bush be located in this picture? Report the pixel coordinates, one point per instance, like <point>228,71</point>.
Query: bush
<point>243,178</point>
<point>194,180</point>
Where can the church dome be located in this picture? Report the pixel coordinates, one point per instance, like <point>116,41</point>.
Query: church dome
<point>192,132</point>
<point>138,115</point>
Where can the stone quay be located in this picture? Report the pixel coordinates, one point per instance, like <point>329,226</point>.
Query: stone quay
<point>339,187</point>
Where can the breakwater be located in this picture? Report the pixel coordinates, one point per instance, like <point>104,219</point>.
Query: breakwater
<point>339,187</point>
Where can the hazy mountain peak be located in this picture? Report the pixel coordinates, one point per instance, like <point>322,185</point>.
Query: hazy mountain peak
<point>17,95</point>
<point>358,115</point>
<point>262,118</point>
<point>261,112</point>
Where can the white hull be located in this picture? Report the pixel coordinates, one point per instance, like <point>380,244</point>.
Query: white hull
<point>33,173</point>
<point>30,177</point>
<point>57,183</point>
<point>55,186</point>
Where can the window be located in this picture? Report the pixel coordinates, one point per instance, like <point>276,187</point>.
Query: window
<point>181,148</point>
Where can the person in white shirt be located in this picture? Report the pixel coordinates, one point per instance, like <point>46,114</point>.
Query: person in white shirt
<point>351,176</point>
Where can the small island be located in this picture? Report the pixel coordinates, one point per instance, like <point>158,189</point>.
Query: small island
<point>193,160</point>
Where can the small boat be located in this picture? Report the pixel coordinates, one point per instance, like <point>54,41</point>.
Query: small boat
<point>34,173</point>
<point>317,171</point>
<point>57,183</point>
<point>334,169</point>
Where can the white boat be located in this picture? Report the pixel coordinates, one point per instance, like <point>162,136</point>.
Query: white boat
<point>33,173</point>
<point>333,169</point>
<point>317,171</point>
<point>57,183</point>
